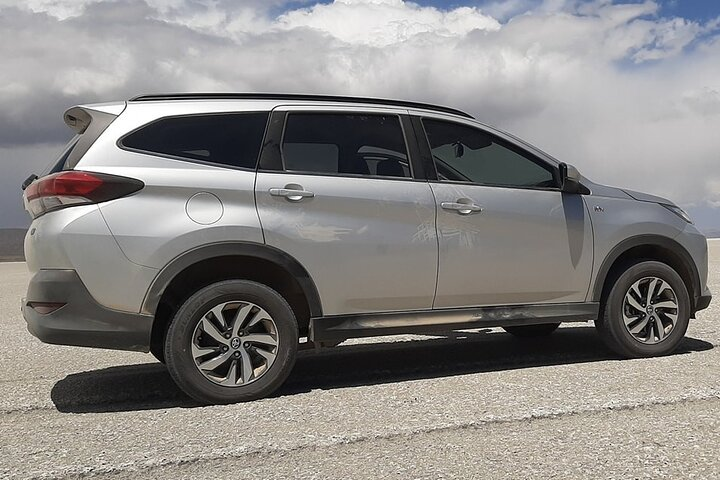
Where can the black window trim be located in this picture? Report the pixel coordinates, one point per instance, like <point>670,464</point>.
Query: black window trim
<point>272,146</point>
<point>168,156</point>
<point>495,138</point>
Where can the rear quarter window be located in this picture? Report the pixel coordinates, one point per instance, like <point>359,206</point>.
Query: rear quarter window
<point>231,139</point>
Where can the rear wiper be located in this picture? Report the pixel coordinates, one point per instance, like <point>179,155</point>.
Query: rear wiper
<point>29,180</point>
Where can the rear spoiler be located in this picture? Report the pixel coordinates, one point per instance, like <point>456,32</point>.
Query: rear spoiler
<point>79,117</point>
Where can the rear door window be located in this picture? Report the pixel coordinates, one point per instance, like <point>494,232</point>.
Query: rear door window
<point>345,144</point>
<point>232,139</point>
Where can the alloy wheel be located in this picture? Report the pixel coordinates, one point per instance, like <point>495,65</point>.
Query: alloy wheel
<point>234,343</point>
<point>650,310</point>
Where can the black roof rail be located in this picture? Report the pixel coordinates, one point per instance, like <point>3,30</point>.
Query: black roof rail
<point>295,97</point>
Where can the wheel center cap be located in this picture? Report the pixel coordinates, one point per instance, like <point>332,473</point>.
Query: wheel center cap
<point>650,309</point>
<point>235,343</point>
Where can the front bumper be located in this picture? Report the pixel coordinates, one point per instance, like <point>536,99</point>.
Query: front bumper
<point>703,301</point>
<point>81,321</point>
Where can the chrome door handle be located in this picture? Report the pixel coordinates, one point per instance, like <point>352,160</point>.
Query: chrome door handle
<point>461,208</point>
<point>291,194</point>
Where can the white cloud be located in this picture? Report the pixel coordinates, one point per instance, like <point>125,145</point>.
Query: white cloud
<point>669,38</point>
<point>629,97</point>
<point>60,9</point>
<point>382,23</point>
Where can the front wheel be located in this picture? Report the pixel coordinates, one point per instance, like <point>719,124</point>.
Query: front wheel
<point>232,341</point>
<point>647,311</point>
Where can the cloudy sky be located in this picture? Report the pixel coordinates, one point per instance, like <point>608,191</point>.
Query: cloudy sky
<point>627,91</point>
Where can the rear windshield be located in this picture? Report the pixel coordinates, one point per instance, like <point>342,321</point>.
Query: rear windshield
<point>59,162</point>
<point>81,143</point>
<point>228,139</point>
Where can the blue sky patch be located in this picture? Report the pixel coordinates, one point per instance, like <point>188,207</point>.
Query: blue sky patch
<point>698,10</point>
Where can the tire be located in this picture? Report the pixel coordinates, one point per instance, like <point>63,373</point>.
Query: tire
<point>532,331</point>
<point>197,337</point>
<point>617,307</point>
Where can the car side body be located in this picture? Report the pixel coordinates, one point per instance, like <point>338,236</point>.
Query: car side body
<point>399,242</point>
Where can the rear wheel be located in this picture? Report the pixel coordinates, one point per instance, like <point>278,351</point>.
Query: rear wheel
<point>647,311</point>
<point>531,331</point>
<point>232,341</point>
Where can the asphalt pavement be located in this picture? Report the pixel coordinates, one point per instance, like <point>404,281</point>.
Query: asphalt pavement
<point>477,404</point>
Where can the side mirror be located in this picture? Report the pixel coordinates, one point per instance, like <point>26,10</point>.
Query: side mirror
<point>570,180</point>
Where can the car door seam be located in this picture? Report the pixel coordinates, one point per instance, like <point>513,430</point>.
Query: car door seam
<point>437,244</point>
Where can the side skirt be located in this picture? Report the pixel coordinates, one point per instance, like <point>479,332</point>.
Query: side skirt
<point>341,327</point>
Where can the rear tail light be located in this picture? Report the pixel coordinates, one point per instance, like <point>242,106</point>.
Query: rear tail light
<point>72,187</point>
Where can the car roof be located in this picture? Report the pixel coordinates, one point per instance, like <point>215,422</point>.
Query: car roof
<point>297,97</point>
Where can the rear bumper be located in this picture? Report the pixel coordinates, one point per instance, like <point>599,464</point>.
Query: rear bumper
<point>81,321</point>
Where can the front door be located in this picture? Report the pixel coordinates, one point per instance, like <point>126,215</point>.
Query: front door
<point>507,234</point>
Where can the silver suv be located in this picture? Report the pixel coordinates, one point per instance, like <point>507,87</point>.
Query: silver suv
<point>221,232</point>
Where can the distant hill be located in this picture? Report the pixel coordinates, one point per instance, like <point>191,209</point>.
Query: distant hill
<point>11,244</point>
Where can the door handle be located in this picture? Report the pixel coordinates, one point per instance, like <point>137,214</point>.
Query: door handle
<point>292,194</point>
<point>461,207</point>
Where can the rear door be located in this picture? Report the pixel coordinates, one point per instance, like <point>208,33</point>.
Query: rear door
<point>336,190</point>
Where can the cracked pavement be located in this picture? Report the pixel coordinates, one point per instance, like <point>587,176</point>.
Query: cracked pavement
<point>482,405</point>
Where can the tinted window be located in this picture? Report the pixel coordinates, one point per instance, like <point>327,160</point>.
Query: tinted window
<point>354,144</point>
<point>227,139</point>
<point>467,154</point>
<point>61,162</point>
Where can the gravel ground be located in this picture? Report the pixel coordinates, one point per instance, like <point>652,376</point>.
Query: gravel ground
<point>481,405</point>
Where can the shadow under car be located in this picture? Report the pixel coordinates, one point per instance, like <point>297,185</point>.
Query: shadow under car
<point>149,386</point>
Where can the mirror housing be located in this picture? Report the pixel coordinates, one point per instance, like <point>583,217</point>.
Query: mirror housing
<point>570,180</point>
